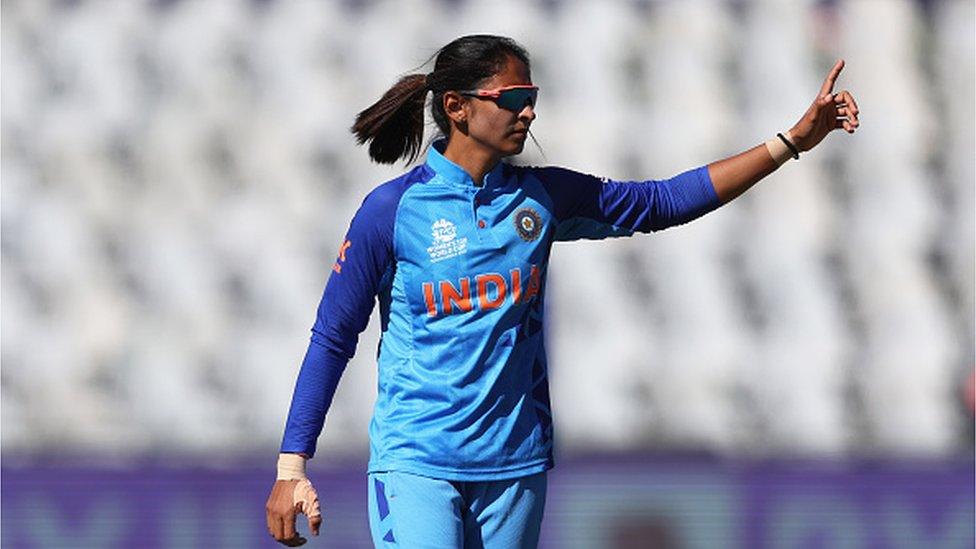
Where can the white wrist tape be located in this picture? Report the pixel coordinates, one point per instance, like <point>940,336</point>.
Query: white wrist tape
<point>291,467</point>
<point>778,150</point>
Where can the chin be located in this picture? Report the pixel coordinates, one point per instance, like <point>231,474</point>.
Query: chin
<point>515,148</point>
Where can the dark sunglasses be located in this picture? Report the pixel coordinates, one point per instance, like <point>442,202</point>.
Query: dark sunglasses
<point>513,98</point>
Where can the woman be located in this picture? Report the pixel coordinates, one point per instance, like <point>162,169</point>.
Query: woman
<point>456,252</point>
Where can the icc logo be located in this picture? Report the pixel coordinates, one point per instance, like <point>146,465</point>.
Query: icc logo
<point>528,224</point>
<point>443,231</point>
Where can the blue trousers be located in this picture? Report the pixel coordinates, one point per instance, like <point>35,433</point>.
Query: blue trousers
<point>407,510</point>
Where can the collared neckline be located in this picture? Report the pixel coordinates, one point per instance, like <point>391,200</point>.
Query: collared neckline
<point>456,175</point>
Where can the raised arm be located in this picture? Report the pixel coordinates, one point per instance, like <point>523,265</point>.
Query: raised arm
<point>588,207</point>
<point>829,111</point>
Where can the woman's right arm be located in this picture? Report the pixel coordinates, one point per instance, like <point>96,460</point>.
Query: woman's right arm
<point>364,260</point>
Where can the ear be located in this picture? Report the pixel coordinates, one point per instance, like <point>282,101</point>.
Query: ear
<point>455,107</point>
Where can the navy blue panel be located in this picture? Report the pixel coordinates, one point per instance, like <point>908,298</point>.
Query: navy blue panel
<point>538,370</point>
<point>534,325</point>
<point>630,205</point>
<point>381,502</point>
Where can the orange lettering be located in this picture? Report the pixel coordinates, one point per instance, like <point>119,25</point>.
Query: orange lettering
<point>499,282</point>
<point>516,285</point>
<point>449,294</point>
<point>429,299</point>
<point>533,289</point>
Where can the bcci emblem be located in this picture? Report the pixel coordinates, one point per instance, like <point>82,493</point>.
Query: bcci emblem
<point>528,224</point>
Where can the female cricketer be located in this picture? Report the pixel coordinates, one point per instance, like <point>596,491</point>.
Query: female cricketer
<point>456,252</point>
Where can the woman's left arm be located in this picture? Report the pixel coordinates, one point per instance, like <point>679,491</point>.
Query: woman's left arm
<point>830,111</point>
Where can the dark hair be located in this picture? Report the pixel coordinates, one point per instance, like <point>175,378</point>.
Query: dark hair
<point>394,125</point>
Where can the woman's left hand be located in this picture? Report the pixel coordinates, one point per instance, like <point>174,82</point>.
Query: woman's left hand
<point>830,111</point>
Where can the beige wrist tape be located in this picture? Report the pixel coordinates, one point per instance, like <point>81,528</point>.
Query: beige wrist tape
<point>778,150</point>
<point>291,467</point>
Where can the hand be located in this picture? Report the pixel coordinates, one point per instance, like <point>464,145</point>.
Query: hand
<point>287,499</point>
<point>829,112</point>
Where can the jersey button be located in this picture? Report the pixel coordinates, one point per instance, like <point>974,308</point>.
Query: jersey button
<point>481,223</point>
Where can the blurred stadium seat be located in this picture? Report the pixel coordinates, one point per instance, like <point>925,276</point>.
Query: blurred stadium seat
<point>177,176</point>
<point>788,371</point>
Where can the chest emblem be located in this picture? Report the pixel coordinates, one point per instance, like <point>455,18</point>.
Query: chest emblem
<point>528,224</point>
<point>446,243</point>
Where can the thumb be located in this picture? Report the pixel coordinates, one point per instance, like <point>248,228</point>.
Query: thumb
<point>307,501</point>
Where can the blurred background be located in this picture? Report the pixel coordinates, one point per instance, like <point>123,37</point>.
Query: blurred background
<point>794,370</point>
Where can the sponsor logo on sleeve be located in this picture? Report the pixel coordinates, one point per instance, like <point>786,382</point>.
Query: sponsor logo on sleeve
<point>342,256</point>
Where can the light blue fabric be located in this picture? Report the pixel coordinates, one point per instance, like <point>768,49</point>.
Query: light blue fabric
<point>463,389</point>
<point>459,270</point>
<point>407,510</point>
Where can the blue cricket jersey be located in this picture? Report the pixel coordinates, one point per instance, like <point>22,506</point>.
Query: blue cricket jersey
<point>459,271</point>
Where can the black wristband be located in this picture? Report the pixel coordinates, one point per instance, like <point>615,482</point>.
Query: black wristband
<point>791,146</point>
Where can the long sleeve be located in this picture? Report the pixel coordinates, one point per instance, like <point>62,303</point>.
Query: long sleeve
<point>364,263</point>
<point>587,207</point>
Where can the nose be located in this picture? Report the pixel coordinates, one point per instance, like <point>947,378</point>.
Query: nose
<point>527,112</point>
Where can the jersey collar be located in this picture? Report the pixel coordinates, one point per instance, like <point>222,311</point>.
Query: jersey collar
<point>454,174</point>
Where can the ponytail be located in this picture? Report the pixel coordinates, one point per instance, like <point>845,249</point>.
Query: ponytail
<point>394,125</point>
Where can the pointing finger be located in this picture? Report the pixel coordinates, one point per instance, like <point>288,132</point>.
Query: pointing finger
<point>828,85</point>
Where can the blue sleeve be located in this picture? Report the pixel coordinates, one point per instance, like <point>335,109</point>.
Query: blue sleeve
<point>587,207</point>
<point>365,257</point>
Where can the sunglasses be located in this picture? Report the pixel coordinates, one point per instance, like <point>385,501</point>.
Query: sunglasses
<point>513,98</point>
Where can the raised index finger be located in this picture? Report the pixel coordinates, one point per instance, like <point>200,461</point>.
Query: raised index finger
<point>828,85</point>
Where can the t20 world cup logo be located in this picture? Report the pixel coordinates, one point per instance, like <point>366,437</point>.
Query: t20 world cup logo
<point>446,244</point>
<point>443,231</point>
